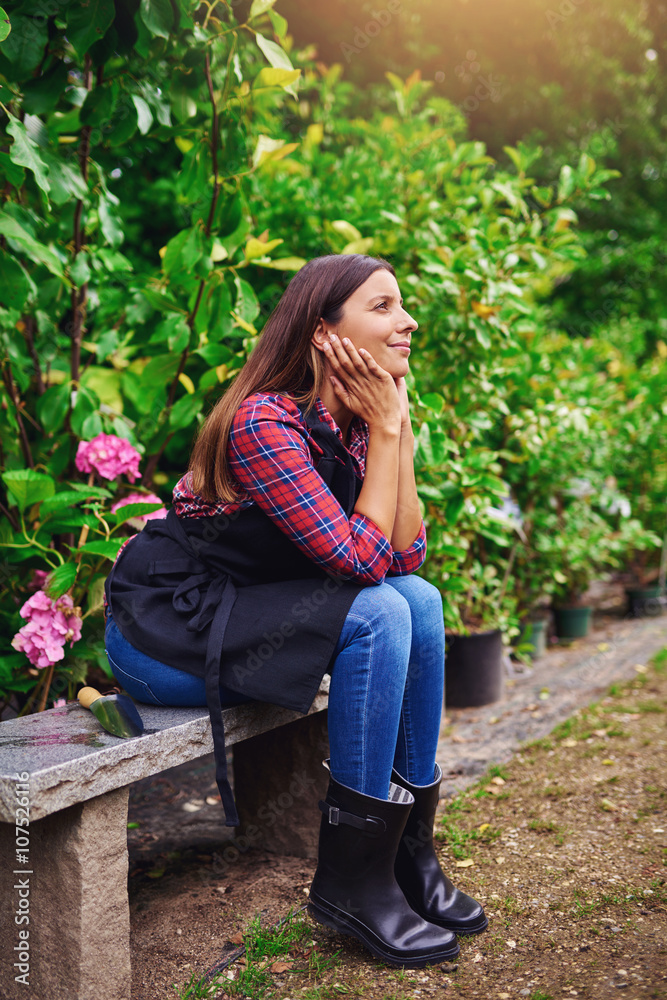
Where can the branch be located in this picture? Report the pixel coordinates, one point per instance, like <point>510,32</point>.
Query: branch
<point>29,325</point>
<point>11,392</point>
<point>153,460</point>
<point>79,296</point>
<point>10,516</point>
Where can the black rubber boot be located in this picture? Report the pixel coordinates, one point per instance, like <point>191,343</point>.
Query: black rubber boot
<point>427,889</point>
<point>354,890</point>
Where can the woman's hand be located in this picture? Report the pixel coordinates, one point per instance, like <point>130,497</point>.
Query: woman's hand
<point>366,389</point>
<point>406,425</point>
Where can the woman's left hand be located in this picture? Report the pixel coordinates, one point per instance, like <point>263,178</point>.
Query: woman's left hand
<point>405,406</point>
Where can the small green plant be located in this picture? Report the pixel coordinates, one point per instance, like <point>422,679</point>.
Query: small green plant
<point>659,661</point>
<point>262,945</point>
<point>543,826</point>
<point>512,906</point>
<point>200,988</point>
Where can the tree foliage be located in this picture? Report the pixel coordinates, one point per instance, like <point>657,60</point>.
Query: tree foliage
<point>166,167</point>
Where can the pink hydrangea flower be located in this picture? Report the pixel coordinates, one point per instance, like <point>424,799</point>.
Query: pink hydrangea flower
<point>141,498</point>
<point>50,624</point>
<point>108,455</point>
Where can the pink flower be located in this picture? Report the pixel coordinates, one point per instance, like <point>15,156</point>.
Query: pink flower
<point>50,624</point>
<point>141,498</point>
<point>59,702</point>
<point>108,455</point>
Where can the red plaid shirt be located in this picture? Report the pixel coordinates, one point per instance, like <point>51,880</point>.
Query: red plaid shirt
<point>272,457</point>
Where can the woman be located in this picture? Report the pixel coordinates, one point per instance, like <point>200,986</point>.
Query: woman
<point>289,553</point>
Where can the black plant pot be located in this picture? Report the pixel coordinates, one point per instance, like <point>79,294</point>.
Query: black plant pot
<point>572,623</point>
<point>474,669</point>
<point>645,602</point>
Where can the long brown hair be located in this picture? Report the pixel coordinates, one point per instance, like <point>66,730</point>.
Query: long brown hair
<point>284,359</point>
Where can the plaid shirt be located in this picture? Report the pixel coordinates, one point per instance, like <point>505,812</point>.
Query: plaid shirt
<point>272,457</point>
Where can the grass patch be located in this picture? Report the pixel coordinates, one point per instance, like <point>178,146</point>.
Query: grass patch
<point>290,939</point>
<point>512,906</point>
<point>626,898</point>
<point>659,661</point>
<point>543,826</point>
<point>649,706</point>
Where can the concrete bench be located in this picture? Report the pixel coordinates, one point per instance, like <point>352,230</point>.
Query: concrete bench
<point>65,912</point>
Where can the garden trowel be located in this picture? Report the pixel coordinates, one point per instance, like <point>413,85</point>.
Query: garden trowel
<point>115,712</point>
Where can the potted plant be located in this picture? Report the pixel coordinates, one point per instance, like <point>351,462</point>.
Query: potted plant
<point>578,543</point>
<point>471,564</point>
<point>646,593</point>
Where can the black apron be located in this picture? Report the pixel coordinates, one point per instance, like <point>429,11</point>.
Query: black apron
<point>230,598</point>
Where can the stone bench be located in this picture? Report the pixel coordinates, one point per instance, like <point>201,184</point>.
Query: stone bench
<point>70,892</point>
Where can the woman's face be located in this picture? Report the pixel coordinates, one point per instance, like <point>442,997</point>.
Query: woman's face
<point>374,318</point>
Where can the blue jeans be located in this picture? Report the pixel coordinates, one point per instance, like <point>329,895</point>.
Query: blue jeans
<point>386,693</point>
<point>153,682</point>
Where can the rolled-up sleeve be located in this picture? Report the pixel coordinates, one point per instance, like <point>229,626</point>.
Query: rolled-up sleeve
<point>410,559</point>
<point>270,458</point>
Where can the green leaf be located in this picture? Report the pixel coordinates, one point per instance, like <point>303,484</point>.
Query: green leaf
<point>88,22</point>
<point>25,152</point>
<point>174,331</point>
<point>42,93</point>
<point>247,304</point>
<point>107,549</point>
<point>162,300</point>
<point>61,579</point>
<point>185,410</point>
<point>91,426</point>
<point>91,491</point>
<point>566,183</point>
<point>65,179</point>
<point>132,510</point>
<point>158,16</point>
<point>144,114</point>
<point>12,677</point>
<point>434,401</point>
<point>123,122</point>
<point>109,224</point>
<point>98,106</point>
<point>15,175</point>
<point>454,507</point>
<point>79,272</point>
<point>279,24</point>
<point>276,57</point>
<point>96,594</point>
<point>283,263</point>
<point>274,54</point>
<point>86,405</point>
<point>268,76</point>
<point>25,46</point>
<point>215,354</point>
<point>183,251</point>
<point>66,498</point>
<point>482,335</point>
<point>52,407</point>
<point>5,25</point>
<point>70,520</point>
<point>26,486</point>
<point>12,230</point>
<point>14,282</point>
<point>259,7</point>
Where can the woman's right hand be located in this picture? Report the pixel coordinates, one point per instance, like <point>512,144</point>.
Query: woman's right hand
<point>366,389</point>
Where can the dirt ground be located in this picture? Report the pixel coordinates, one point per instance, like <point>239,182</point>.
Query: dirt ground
<point>566,846</point>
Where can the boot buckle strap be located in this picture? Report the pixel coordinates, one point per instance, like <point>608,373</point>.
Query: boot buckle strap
<point>369,824</point>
